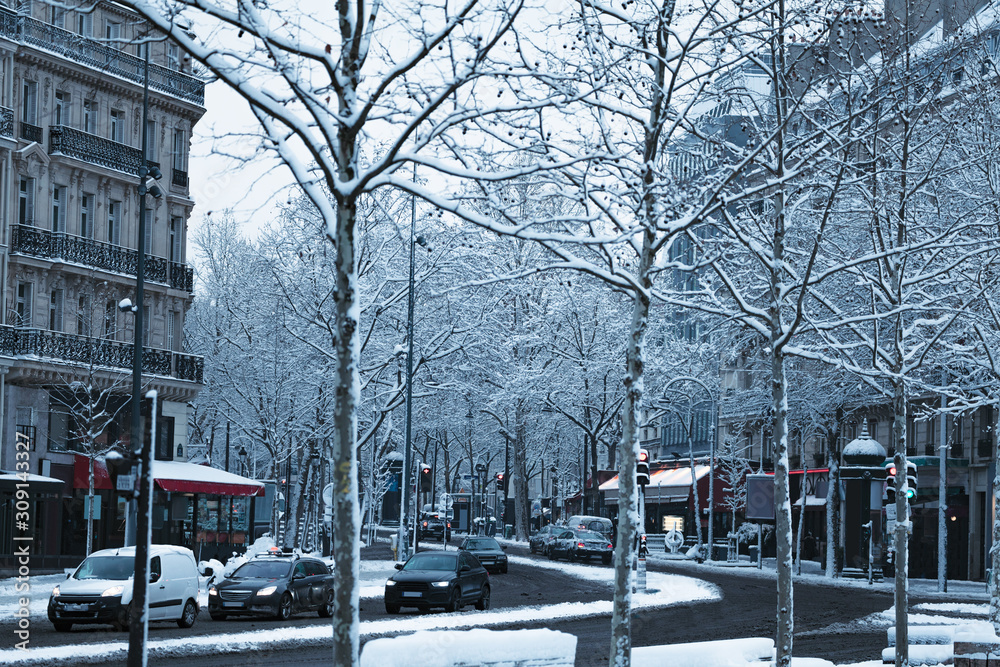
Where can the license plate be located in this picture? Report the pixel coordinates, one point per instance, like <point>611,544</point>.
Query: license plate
<point>76,607</point>
<point>411,594</point>
<point>232,604</point>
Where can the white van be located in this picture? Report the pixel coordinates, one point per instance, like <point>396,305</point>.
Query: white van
<point>100,589</point>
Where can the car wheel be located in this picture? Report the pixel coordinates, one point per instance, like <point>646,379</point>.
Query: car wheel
<point>606,560</point>
<point>62,626</point>
<point>455,601</point>
<point>552,554</point>
<point>531,548</point>
<point>391,608</point>
<point>484,599</point>
<point>189,615</point>
<point>216,616</point>
<point>124,617</point>
<point>503,570</point>
<point>326,609</point>
<point>285,607</point>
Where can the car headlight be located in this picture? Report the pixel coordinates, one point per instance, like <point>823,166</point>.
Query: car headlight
<point>268,590</point>
<point>390,582</point>
<point>212,590</point>
<point>55,592</point>
<point>113,591</point>
<point>440,584</point>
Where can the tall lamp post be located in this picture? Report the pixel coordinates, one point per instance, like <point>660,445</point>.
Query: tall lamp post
<point>139,622</point>
<point>711,458</point>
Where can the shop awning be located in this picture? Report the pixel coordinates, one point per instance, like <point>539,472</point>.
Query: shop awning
<point>665,486</point>
<point>175,477</point>
<point>811,501</point>
<point>36,483</point>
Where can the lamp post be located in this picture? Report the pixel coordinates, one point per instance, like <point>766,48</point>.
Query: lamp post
<point>244,459</point>
<point>711,458</point>
<point>139,626</point>
<point>402,538</point>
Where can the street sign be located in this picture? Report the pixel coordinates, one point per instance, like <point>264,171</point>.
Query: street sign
<point>125,483</point>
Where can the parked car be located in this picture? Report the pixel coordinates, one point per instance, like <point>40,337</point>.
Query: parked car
<point>433,527</point>
<point>274,584</point>
<point>580,545</point>
<point>598,524</point>
<point>447,579</point>
<point>488,551</point>
<point>100,589</point>
<point>541,540</point>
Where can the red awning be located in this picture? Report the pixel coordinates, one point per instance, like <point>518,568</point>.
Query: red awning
<point>177,477</point>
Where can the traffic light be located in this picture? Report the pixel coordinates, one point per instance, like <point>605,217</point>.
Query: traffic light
<point>642,468</point>
<point>426,478</point>
<point>890,482</point>
<point>501,482</point>
<point>911,480</point>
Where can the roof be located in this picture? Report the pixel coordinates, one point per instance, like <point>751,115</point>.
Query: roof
<point>673,477</point>
<point>9,481</point>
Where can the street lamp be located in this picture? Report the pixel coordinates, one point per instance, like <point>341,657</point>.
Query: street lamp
<point>244,459</point>
<point>711,461</point>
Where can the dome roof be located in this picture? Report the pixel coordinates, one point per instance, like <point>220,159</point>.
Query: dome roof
<point>864,450</point>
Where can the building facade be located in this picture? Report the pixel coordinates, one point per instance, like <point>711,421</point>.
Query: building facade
<point>71,110</point>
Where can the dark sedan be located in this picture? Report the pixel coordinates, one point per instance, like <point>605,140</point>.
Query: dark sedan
<point>540,541</point>
<point>277,586</point>
<point>433,527</point>
<point>581,544</point>
<point>488,551</point>
<point>435,579</point>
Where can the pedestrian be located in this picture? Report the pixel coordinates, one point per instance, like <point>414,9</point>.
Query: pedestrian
<point>809,547</point>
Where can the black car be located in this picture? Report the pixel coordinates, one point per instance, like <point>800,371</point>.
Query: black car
<point>433,527</point>
<point>581,544</point>
<point>540,541</point>
<point>488,551</point>
<point>447,579</point>
<point>274,585</point>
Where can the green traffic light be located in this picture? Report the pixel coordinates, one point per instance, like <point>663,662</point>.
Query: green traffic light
<point>911,493</point>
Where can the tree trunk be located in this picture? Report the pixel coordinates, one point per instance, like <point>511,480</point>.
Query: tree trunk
<point>522,504</point>
<point>902,523</point>
<point>994,588</point>
<point>90,506</point>
<point>628,490</point>
<point>832,506</point>
<point>802,510</point>
<point>694,480</point>
<point>344,468</point>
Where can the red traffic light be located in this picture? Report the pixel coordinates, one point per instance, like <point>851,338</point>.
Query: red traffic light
<point>643,456</point>
<point>499,476</point>
<point>426,470</point>
<point>891,471</point>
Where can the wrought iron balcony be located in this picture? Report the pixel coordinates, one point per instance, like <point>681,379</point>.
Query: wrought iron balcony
<point>27,240</point>
<point>180,178</point>
<point>102,57</point>
<point>6,122</point>
<point>91,148</point>
<point>31,132</point>
<point>64,347</point>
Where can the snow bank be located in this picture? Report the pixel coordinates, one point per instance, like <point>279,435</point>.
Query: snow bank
<point>921,654</point>
<point>260,545</point>
<point>723,653</point>
<point>471,647</point>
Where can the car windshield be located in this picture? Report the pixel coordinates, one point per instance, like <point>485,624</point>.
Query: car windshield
<point>262,569</point>
<point>589,535</point>
<point>106,567</point>
<point>431,562</point>
<point>481,544</point>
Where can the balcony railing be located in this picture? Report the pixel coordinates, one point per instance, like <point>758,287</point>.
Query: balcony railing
<point>6,122</point>
<point>100,56</point>
<point>180,178</point>
<point>36,242</point>
<point>66,347</point>
<point>92,148</point>
<point>31,132</point>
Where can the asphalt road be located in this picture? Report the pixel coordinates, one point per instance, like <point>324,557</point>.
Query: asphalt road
<point>822,627</point>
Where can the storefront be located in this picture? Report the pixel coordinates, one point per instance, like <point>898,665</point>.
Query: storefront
<point>32,517</point>
<point>207,510</point>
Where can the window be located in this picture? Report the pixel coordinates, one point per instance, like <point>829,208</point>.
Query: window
<point>56,310</point>
<point>873,428</point>
<point>86,216</point>
<point>26,202</point>
<point>60,112</point>
<point>114,222</point>
<point>147,242</point>
<point>58,16</point>
<point>110,319</point>
<point>24,418</point>
<point>151,140</point>
<point>29,102</point>
<point>179,145</point>
<point>174,57</point>
<point>23,305</point>
<point>113,32</point>
<point>117,131</point>
<point>89,116</point>
<point>175,239</point>
<point>83,315</point>
<point>59,204</point>
<point>84,24</point>
<point>173,329</point>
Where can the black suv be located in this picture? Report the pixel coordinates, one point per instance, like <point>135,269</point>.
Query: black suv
<point>274,584</point>
<point>432,526</point>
